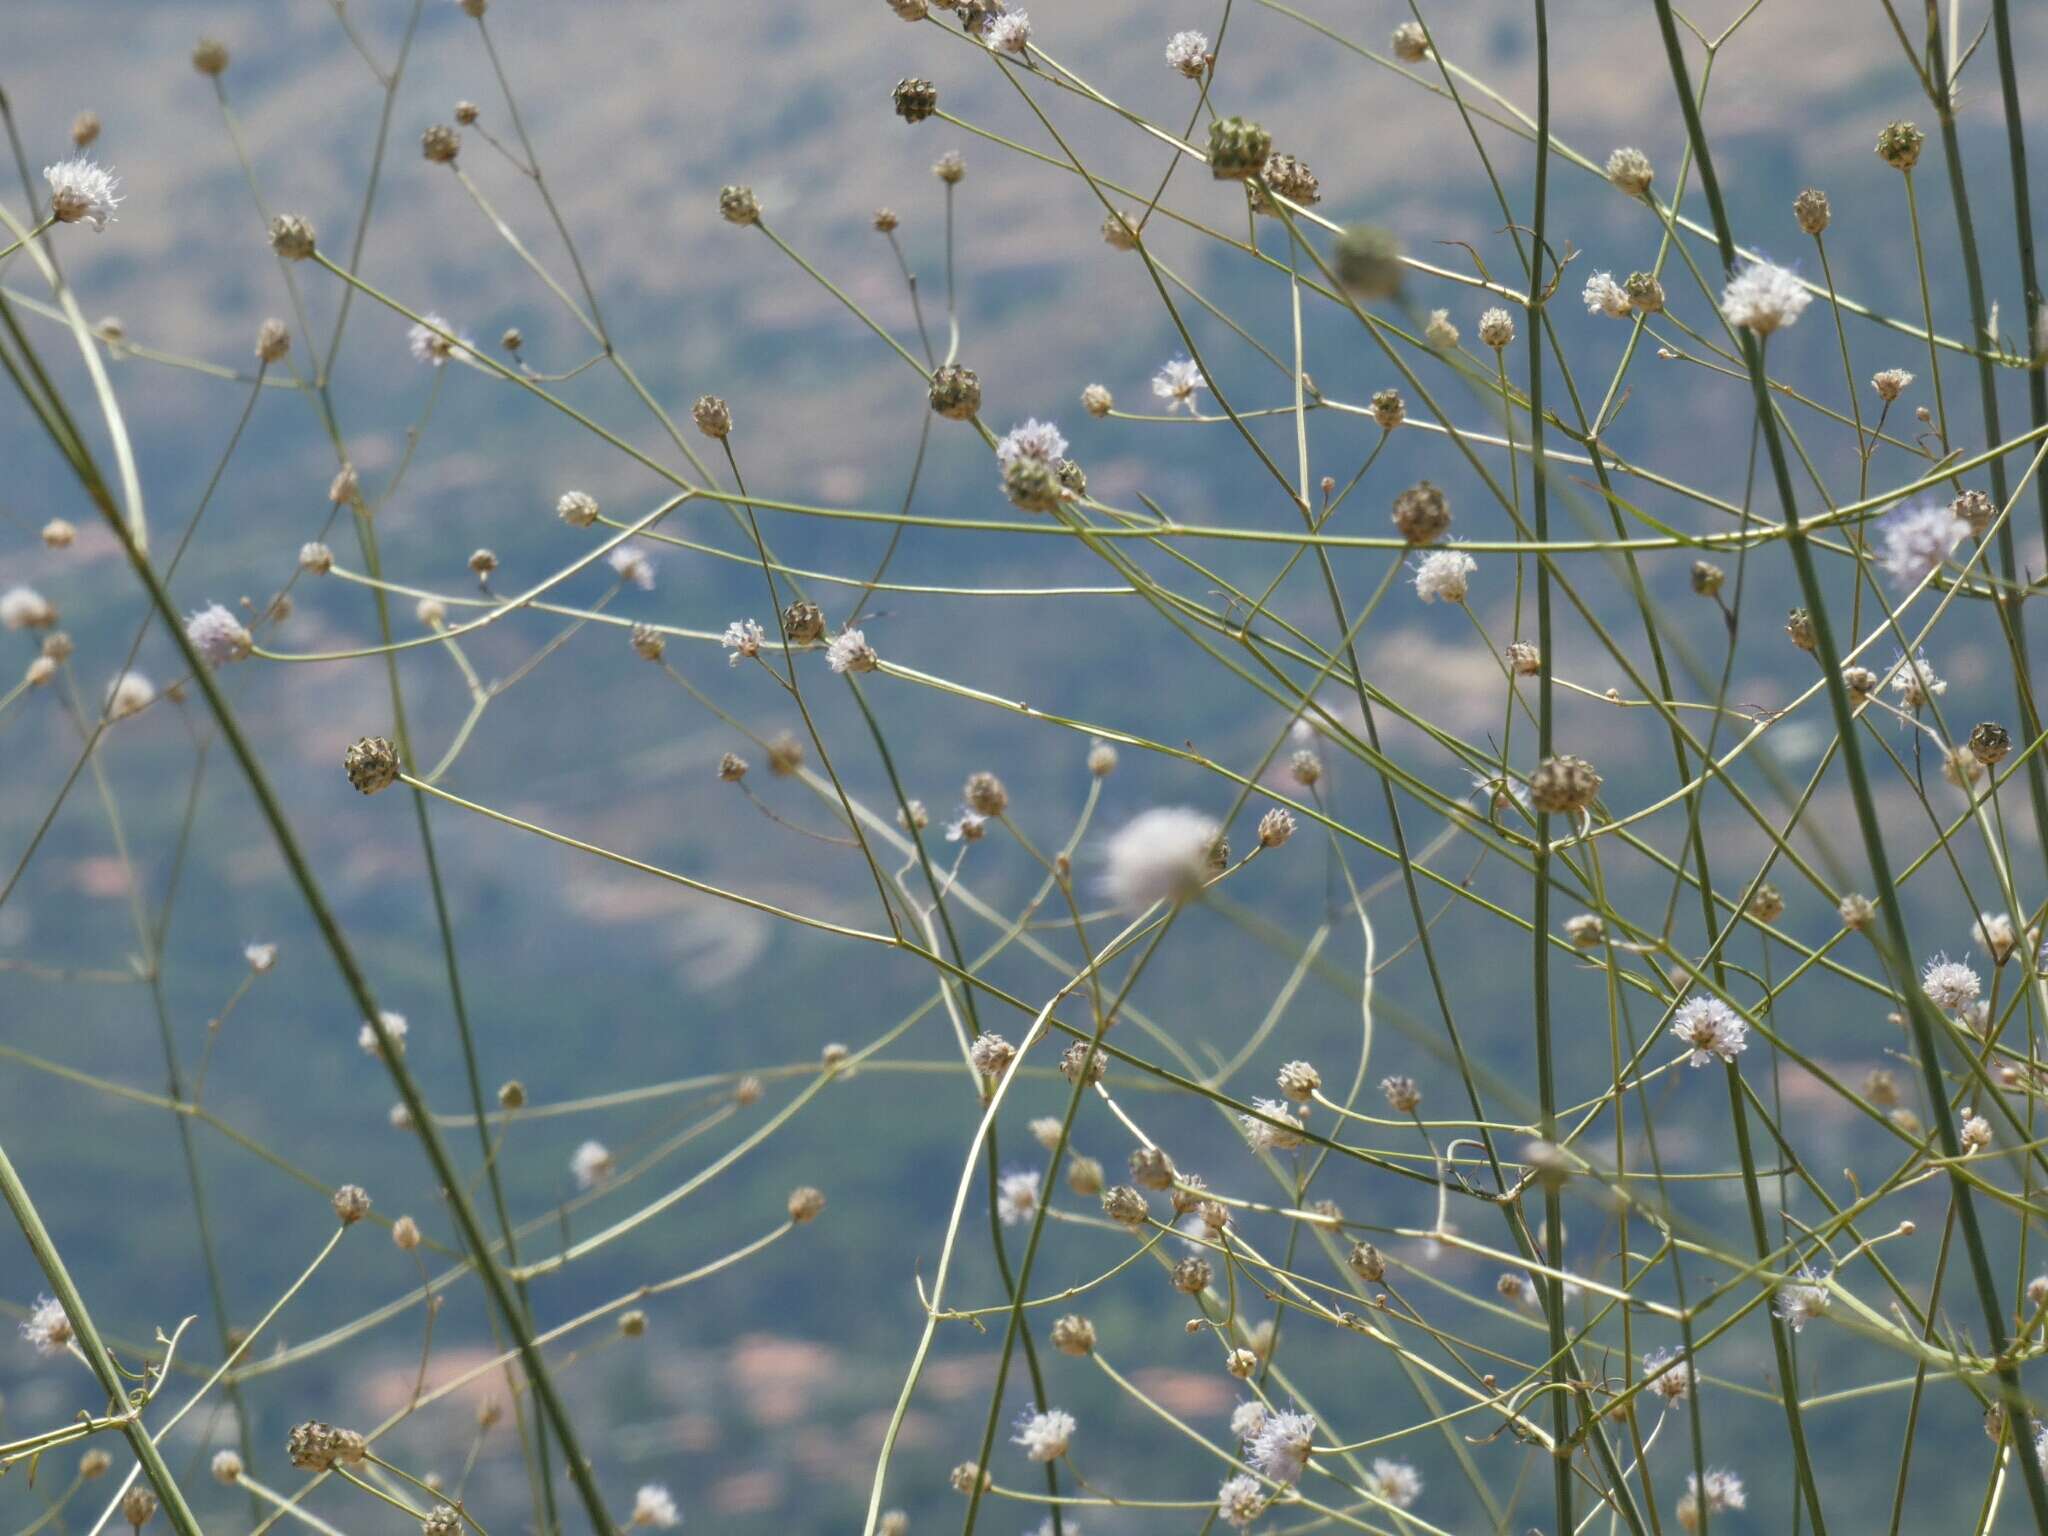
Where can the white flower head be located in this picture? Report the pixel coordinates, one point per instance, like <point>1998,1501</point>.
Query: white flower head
<point>1164,854</point>
<point>632,565</point>
<point>1397,1482</point>
<point>1247,1419</point>
<point>129,694</point>
<point>1177,382</point>
<point>592,1164</point>
<point>26,608</point>
<point>742,637</point>
<point>1446,574</point>
<point>1045,1130</point>
<point>1036,439</point>
<point>1188,52</point>
<point>1008,32</point>
<point>261,957</point>
<point>1915,682</point>
<point>218,636</point>
<point>653,1506</point>
<point>1918,539</point>
<point>48,1327</point>
<point>1711,1028</point>
<point>1281,1447</point>
<point>1949,984</point>
<point>1717,1491</point>
<point>850,652</point>
<point>435,341</point>
<point>1240,1500</point>
<point>1017,1196</point>
<point>1763,297</point>
<point>1669,1374</point>
<point>1604,296</point>
<point>968,828</point>
<point>1801,1301</point>
<point>394,1026</point>
<point>1044,1436</point>
<point>82,191</point>
<point>1994,934</point>
<point>1265,1137</point>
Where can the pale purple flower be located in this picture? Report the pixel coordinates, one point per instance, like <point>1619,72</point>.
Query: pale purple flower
<point>218,636</point>
<point>1188,52</point>
<point>1044,1436</point>
<point>1036,439</point>
<point>1281,1447</point>
<point>1949,984</point>
<point>1604,296</point>
<point>1264,1137</point>
<point>1177,382</point>
<point>1762,297</point>
<point>1009,32</point>
<point>129,694</point>
<point>1711,1028</point>
<point>1247,1419</point>
<point>850,652</point>
<point>967,829</point>
<point>742,637</point>
<point>1918,539</point>
<point>1446,574</point>
<point>1240,1500</point>
<point>632,565</point>
<point>1800,1302</point>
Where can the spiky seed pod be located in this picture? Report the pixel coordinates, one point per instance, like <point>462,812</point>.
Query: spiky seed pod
<point>1032,485</point>
<point>1275,827</point>
<point>1799,629</point>
<point>313,1446</point>
<point>210,56</point>
<point>951,168</point>
<point>1767,905</point>
<point>712,415</point>
<point>1990,742</point>
<point>440,144</point>
<point>648,644</point>
<point>803,623</point>
<point>1645,293</point>
<point>1563,784</point>
<point>94,1463</point>
<point>1898,146</point>
<point>1237,148</point>
<point>1630,171</point>
<point>372,764</point>
<point>915,99</point>
<point>1524,659</point>
<point>1369,262</point>
<point>1073,1058</point>
<point>1287,177</point>
<point>1126,1206</point>
<point>986,795</point>
<point>1410,42</point>
<point>805,1204</point>
<point>292,237</point>
<point>1367,1263</point>
<point>351,1204</point>
<point>1073,1335</point>
<point>738,205</point>
<point>1192,1275</point>
<point>1707,577</point>
<point>955,392</point>
<point>1151,1168</point>
<point>1389,409</point>
<point>1422,514</point>
<point>1811,209</point>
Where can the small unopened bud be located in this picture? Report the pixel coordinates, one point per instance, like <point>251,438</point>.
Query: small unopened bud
<point>351,1204</point>
<point>1101,759</point>
<point>227,1466</point>
<point>805,1204</point>
<point>371,764</point>
<point>633,1323</point>
<point>1811,209</point>
<point>1707,577</point>
<point>137,1505</point>
<point>405,1232</point>
<point>512,1095</point>
<point>1275,827</point>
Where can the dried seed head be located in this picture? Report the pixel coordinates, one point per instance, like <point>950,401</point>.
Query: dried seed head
<point>1287,177</point>
<point>732,768</point>
<point>1032,485</point>
<point>577,508</point>
<point>1497,328</point>
<point>1707,578</point>
<point>1097,401</point>
<point>1126,1206</point>
<point>138,1504</point>
<point>951,167</point>
<point>1072,477</point>
<point>227,1466</point>
<point>1860,681</point>
<point>1275,827</point>
<point>405,1232</point>
<point>1369,262</point>
<point>512,1094</point>
<point>1084,1176</point>
<point>648,643</point>
<point>1403,1094</point>
<point>885,220</point>
<point>1585,929</point>
<point>1856,912</point>
<point>1799,629</point>
<point>1299,1080</point>
<point>1524,659</point>
<point>915,100</point>
<point>440,144</point>
<point>483,561</point>
<point>317,1447</point>
<point>738,205</point>
<point>1563,784</point>
<point>1389,409</point>
<point>833,1055</point>
<point>210,56</point>
<point>351,1204</point>
<point>1766,905</point>
<point>785,755</point>
<point>1890,383</point>
<point>967,1476</point>
<point>955,392</point>
<point>1151,1168</point>
<point>85,128</point>
<point>991,1054</point>
<point>292,237</point>
<point>712,415</point>
<point>512,340</point>
<point>1630,171</point>
<point>1368,1263</point>
<point>633,1323</point>
<point>1079,1057</point>
<point>1976,509</point>
<point>1305,767</point>
<point>1645,293</point>
<point>94,1463</point>
<point>985,795</point>
<point>466,112</point>
<point>441,1520</point>
<point>1192,1275</point>
<point>1990,742</point>
<point>1237,148</point>
<point>371,764</point>
<point>273,341</point>
<point>803,623</point>
<point>805,1204</point>
<point>1811,209</point>
<point>1410,42</point>
<point>1422,514</point>
<point>1898,146</point>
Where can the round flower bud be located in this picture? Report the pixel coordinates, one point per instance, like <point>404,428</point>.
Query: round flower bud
<point>1367,1263</point>
<point>1767,905</point>
<point>1422,514</point>
<point>955,392</point>
<point>1151,1168</point>
<point>1563,784</point>
<point>1707,577</point>
<point>85,128</point>
<point>1032,485</point>
<point>1799,629</point>
<point>405,1232</point>
<point>1389,409</point>
<point>1084,1176</point>
<point>1369,262</point>
<point>1860,681</point>
<point>466,112</point>
<point>94,1463</point>
<point>738,205</point>
<point>1990,742</point>
<point>1125,1206</point>
<point>648,643</point>
<point>1811,209</point>
<point>885,220</point>
<point>1192,1275</point>
<point>985,794</point>
<point>632,1324</point>
<point>1899,146</point>
<point>138,1504</point>
<point>712,415</point>
<point>39,671</point>
<point>440,144</point>
<point>1410,42</point>
<point>833,1055</point>
<point>1097,401</point>
<point>967,1476</point>
<point>1440,333</point>
<point>1241,1363</point>
<point>272,341</point>
<point>441,1520</point>
<point>991,1054</point>
<point>227,1466</point>
<point>292,237</point>
<point>372,764</point>
<point>1305,768</point>
<point>512,340</point>
<point>1403,1094</point>
<point>1073,1335</point>
<point>1237,149</point>
<point>1080,1055</point>
<point>577,508</point>
<point>1497,328</point>
<point>1287,177</point>
<point>1275,827</point>
<point>345,487</point>
<point>1630,171</point>
<point>1299,1080</point>
<point>785,755</point>
<point>351,1204</point>
<point>483,562</point>
<point>951,167</point>
<point>805,1204</point>
<point>512,1094</point>
<point>1101,759</point>
<point>58,533</point>
<point>1645,293</point>
<point>916,100</point>
<point>210,56</point>
<point>731,768</point>
<point>747,1090</point>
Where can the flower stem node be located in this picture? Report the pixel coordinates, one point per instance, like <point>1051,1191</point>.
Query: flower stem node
<point>372,765</point>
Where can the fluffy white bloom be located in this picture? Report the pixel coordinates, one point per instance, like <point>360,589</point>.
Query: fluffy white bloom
<point>261,957</point>
<point>1949,984</point>
<point>394,1026</point>
<point>1009,32</point>
<point>1396,1482</point>
<point>82,192</point>
<point>1247,1419</point>
<point>850,652</point>
<point>1914,681</point>
<point>632,565</point>
<point>591,1163</point>
<point>1604,296</point>
<point>1045,1528</point>
<point>1711,1028</point>
<point>1281,1447</point>
<point>653,1506</point>
<point>1918,539</point>
<point>1239,1500</point>
<point>1669,1374</point>
<point>742,637</point>
<point>1177,382</point>
<point>129,694</point>
<point>1446,574</point>
<point>1975,1132</point>
<point>1188,52</point>
<point>1993,933</point>
<point>1720,1490</point>
<point>1017,1196</point>
<point>429,345</point>
<point>217,635</point>
<point>1044,1436</point>
<point>967,829</point>
<point>48,1327</point>
<point>26,608</point>
<point>1801,1302</point>
<point>1764,298</point>
<point>1163,854</point>
<point>1045,1130</point>
<point>1264,1137</point>
<point>1036,439</point>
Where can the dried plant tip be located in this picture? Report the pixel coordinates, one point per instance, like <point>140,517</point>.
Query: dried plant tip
<point>985,794</point>
<point>1084,1175</point>
<point>345,487</point>
<point>1440,333</point>
<point>1287,177</point>
<point>1976,509</point>
<point>483,561</point>
<point>1389,409</point>
<point>885,220</point>
<point>1101,759</point>
<point>747,1090</point>
<point>440,144</point>
<point>1237,148</point>
<point>1766,905</point>
<point>372,765</point>
<point>1192,1275</point>
<point>351,1204</point>
<point>1073,1335</point>
<point>803,623</point>
<point>1097,401</point>
<point>806,1204</point>
<point>1990,742</point>
<point>1630,171</point>
<point>1368,262</point>
<point>1961,768</point>
<point>1422,514</point>
<point>1898,146</point>
<point>1079,1055</point>
<point>1410,43</point>
<point>227,1466</point>
<point>1799,629</point>
<point>955,392</point>
<point>292,237</point>
<point>512,340</point>
<point>991,1054</point>
<point>466,113</point>
<point>317,1447</point>
<point>1305,768</point>
<point>84,129</point>
<point>1523,659</point>
<point>273,341</point>
<point>1151,1168</point>
<point>738,205</point>
<point>1563,784</point>
<point>1811,209</point>
<point>1125,1206</point>
<point>915,99</point>
<point>210,56</point>
<point>649,644</point>
<point>712,415</point>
